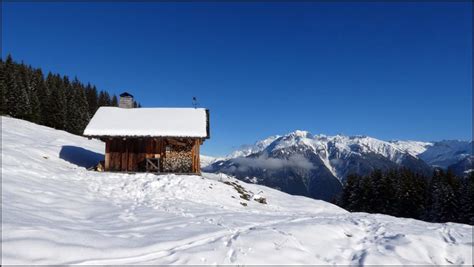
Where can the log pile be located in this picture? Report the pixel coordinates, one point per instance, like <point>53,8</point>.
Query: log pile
<point>178,158</point>
<point>99,167</point>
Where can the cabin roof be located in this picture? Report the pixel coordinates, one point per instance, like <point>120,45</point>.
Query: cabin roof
<point>159,122</point>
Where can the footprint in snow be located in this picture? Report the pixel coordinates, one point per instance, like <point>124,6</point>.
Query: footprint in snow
<point>128,216</point>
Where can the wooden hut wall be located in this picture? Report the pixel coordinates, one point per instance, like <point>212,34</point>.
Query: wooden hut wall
<point>130,154</point>
<point>195,156</point>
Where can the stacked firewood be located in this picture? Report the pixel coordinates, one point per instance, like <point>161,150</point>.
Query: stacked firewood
<point>178,159</point>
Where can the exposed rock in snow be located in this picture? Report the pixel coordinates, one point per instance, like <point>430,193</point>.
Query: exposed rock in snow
<point>56,212</point>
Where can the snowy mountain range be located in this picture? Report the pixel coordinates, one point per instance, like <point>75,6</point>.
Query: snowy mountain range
<point>317,165</point>
<point>56,212</point>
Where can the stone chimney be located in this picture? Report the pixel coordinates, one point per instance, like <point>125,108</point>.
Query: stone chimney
<point>126,100</point>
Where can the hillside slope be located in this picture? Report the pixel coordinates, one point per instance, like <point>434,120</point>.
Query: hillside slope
<point>444,154</point>
<point>57,212</point>
<point>314,165</point>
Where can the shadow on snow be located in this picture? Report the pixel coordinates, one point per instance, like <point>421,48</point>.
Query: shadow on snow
<point>80,156</point>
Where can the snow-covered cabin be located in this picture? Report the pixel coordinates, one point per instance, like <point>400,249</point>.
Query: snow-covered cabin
<point>150,139</point>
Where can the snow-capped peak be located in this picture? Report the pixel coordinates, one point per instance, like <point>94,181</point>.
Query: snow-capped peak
<point>343,144</point>
<point>246,150</point>
<point>365,144</point>
<point>414,148</point>
<point>300,133</point>
<point>432,152</point>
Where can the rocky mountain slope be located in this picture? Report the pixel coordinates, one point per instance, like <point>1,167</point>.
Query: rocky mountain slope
<point>316,165</point>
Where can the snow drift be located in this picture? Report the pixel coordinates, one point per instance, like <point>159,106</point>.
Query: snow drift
<point>57,212</point>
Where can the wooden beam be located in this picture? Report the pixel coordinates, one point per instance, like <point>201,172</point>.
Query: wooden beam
<point>198,159</point>
<point>124,155</point>
<point>130,154</point>
<point>107,156</point>
<point>193,158</point>
<point>176,142</point>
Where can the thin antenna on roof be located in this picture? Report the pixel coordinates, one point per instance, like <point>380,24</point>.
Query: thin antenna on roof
<point>195,103</point>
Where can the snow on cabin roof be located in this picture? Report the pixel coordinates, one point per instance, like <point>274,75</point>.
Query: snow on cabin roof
<point>173,122</point>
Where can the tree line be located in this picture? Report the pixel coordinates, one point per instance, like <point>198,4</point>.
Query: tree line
<point>52,100</point>
<point>443,197</point>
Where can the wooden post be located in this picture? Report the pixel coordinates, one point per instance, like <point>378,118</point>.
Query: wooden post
<point>113,155</point>
<point>132,154</point>
<point>193,157</point>
<point>198,159</point>
<point>107,155</point>
<point>141,153</point>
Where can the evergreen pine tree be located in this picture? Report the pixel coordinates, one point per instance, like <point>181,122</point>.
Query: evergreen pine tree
<point>443,200</point>
<point>16,97</point>
<point>420,185</point>
<point>82,106</point>
<point>104,99</point>
<point>114,101</point>
<point>23,101</point>
<point>3,87</point>
<point>448,204</point>
<point>47,100</point>
<point>72,121</point>
<point>355,195</point>
<point>52,101</point>
<point>434,201</point>
<point>10,85</point>
<point>450,191</point>
<point>376,204</point>
<point>35,113</point>
<point>348,190</point>
<point>77,107</point>
<point>42,93</point>
<point>58,110</point>
<point>466,207</point>
<point>410,194</point>
<point>387,191</point>
<point>108,99</point>
<point>92,99</point>
<point>403,193</point>
<point>366,194</point>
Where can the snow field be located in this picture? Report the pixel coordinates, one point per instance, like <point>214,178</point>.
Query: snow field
<point>56,212</point>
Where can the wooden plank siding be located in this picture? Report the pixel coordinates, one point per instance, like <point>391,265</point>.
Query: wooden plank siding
<point>107,156</point>
<point>129,154</point>
<point>198,157</point>
<point>195,156</point>
<point>122,150</point>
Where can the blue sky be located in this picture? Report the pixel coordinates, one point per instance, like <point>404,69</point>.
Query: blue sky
<point>387,70</point>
